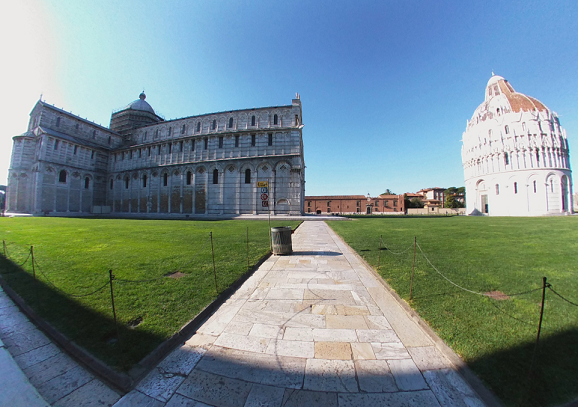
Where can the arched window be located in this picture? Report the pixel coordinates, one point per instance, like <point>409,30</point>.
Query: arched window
<point>524,126</point>
<point>247,176</point>
<point>497,189</point>
<point>215,176</point>
<point>183,129</point>
<point>126,182</point>
<point>86,183</point>
<point>198,126</point>
<point>270,139</point>
<point>534,186</point>
<point>275,119</point>
<point>507,129</point>
<point>144,181</point>
<point>189,177</point>
<point>230,122</point>
<point>93,134</point>
<point>515,187</point>
<point>506,159</point>
<point>170,131</point>
<point>62,176</point>
<point>253,137</point>
<point>165,179</point>
<point>111,183</point>
<point>58,122</point>
<point>214,124</point>
<point>252,120</point>
<point>109,139</point>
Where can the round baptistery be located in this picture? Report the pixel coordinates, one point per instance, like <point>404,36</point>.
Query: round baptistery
<point>515,156</point>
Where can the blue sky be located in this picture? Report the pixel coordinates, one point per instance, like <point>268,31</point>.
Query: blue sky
<point>386,87</point>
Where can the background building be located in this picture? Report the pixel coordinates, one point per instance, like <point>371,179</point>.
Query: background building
<point>515,156</point>
<point>354,204</point>
<point>215,163</point>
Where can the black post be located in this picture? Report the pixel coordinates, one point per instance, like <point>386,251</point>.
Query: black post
<point>413,269</point>
<point>247,248</point>
<point>214,267</point>
<point>544,284</point>
<point>34,274</point>
<point>111,276</point>
<point>379,258</point>
<point>4,246</point>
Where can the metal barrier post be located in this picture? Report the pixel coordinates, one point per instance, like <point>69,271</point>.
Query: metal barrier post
<point>214,267</point>
<point>247,248</point>
<point>379,258</point>
<point>413,269</point>
<point>111,277</point>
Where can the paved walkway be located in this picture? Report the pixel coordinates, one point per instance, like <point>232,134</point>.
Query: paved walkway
<point>312,329</point>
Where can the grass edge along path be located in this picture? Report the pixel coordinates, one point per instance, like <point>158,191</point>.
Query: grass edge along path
<point>158,285</point>
<point>495,337</point>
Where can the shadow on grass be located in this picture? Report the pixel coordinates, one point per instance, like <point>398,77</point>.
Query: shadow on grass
<point>84,327</point>
<point>553,378</point>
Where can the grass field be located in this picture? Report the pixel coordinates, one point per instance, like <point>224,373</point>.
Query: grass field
<point>75,255</point>
<point>495,337</point>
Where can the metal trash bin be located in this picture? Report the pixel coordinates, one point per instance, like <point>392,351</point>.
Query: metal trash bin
<point>281,238</point>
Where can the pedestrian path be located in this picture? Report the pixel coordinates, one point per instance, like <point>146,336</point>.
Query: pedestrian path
<point>315,328</point>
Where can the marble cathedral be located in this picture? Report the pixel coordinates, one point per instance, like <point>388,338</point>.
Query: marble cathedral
<point>247,161</point>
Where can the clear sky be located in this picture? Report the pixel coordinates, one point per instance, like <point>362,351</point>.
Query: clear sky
<point>386,86</point>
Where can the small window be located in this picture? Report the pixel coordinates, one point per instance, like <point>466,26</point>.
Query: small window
<point>551,186</point>
<point>507,129</point>
<point>126,182</point>
<point>489,91</point>
<point>181,146</point>
<point>296,120</point>
<point>496,91</point>
<point>198,127</point>
<point>156,133</point>
<point>358,203</point>
<point>77,126</point>
<point>308,203</point>
<point>253,139</point>
<point>109,139</point>
<point>165,179</point>
<point>214,125</point>
<point>275,119</point>
<point>537,157</point>
<point>394,204</point>
<point>221,142</point>
<point>130,154</point>
<point>170,148</point>
<point>92,155</point>
<point>270,139</point>
<point>56,142</point>
<point>215,176</point>
<point>524,126</point>
<point>170,131</point>
<point>183,129</point>
<point>149,151</point>
<point>111,183</point>
<point>247,176</point>
<point>497,189</point>
<point>252,120</point>
<point>86,183</point>
<point>506,159</point>
<point>62,176</point>
<point>144,181</point>
<point>189,177</point>
<point>144,137</point>
<point>58,122</point>
<point>236,141</point>
<point>192,145</point>
<point>159,149</point>
<point>515,187</point>
<point>534,186</point>
<point>231,122</point>
<point>93,134</point>
<point>139,153</point>
<point>206,143</point>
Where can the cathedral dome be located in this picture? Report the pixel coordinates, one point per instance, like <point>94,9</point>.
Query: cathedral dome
<point>141,104</point>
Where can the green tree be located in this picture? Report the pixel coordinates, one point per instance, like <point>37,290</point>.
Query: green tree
<point>389,192</point>
<point>450,197</point>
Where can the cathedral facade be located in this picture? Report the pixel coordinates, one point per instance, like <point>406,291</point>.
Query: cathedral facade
<point>246,161</point>
<point>515,156</point>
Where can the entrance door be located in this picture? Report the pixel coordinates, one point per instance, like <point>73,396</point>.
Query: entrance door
<point>369,210</point>
<point>485,206</point>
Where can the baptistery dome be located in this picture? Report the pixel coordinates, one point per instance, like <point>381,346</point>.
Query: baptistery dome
<point>515,156</point>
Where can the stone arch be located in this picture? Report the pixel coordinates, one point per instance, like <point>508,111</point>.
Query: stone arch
<point>482,203</point>
<point>553,192</point>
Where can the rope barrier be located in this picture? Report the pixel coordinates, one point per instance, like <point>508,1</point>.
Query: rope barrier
<point>64,292</point>
<point>397,253</point>
<point>565,299</point>
<point>447,279</point>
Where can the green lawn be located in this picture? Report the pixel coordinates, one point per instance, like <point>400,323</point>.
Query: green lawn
<point>75,256</point>
<point>511,255</point>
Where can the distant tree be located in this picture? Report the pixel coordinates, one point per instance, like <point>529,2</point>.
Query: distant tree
<point>413,202</point>
<point>389,192</point>
<point>450,197</point>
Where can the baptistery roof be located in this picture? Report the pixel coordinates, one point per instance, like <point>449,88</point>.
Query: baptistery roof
<point>140,104</point>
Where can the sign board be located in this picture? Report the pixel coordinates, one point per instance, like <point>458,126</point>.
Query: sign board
<point>263,187</point>
<point>262,184</point>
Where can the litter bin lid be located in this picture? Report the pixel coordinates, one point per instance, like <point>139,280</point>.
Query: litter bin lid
<point>281,228</point>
